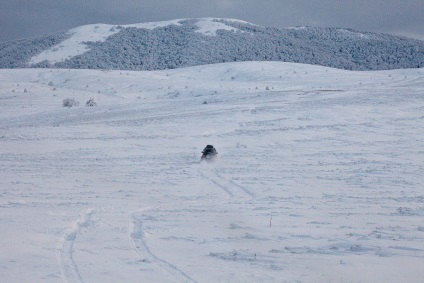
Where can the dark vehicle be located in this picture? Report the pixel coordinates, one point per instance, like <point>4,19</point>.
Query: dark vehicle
<point>209,152</point>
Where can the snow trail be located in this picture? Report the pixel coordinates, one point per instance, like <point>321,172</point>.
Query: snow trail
<point>234,191</point>
<point>219,184</point>
<point>64,250</point>
<point>139,245</point>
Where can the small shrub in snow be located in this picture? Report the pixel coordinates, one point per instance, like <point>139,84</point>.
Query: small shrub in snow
<point>69,102</point>
<point>91,103</point>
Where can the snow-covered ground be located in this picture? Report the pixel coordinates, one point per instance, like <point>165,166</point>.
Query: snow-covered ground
<point>319,178</point>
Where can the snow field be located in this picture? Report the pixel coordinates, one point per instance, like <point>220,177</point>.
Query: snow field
<point>319,175</point>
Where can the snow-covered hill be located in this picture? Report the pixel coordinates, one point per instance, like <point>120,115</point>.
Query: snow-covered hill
<point>319,176</point>
<point>191,42</point>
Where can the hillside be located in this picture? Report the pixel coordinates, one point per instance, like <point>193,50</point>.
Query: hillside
<point>319,176</point>
<point>191,42</point>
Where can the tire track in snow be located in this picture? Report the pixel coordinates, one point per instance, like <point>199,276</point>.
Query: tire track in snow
<point>234,184</point>
<point>213,180</point>
<point>64,250</point>
<point>228,186</point>
<point>140,246</point>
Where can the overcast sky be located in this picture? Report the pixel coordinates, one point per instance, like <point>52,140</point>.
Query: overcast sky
<point>27,18</point>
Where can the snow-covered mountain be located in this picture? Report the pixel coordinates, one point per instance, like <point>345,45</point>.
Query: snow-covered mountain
<point>191,42</point>
<point>319,176</point>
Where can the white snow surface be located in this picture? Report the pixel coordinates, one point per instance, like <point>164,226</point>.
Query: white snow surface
<point>319,176</point>
<point>75,45</point>
<point>209,26</point>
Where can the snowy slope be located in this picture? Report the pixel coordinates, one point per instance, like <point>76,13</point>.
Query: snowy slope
<point>319,176</point>
<point>75,45</point>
